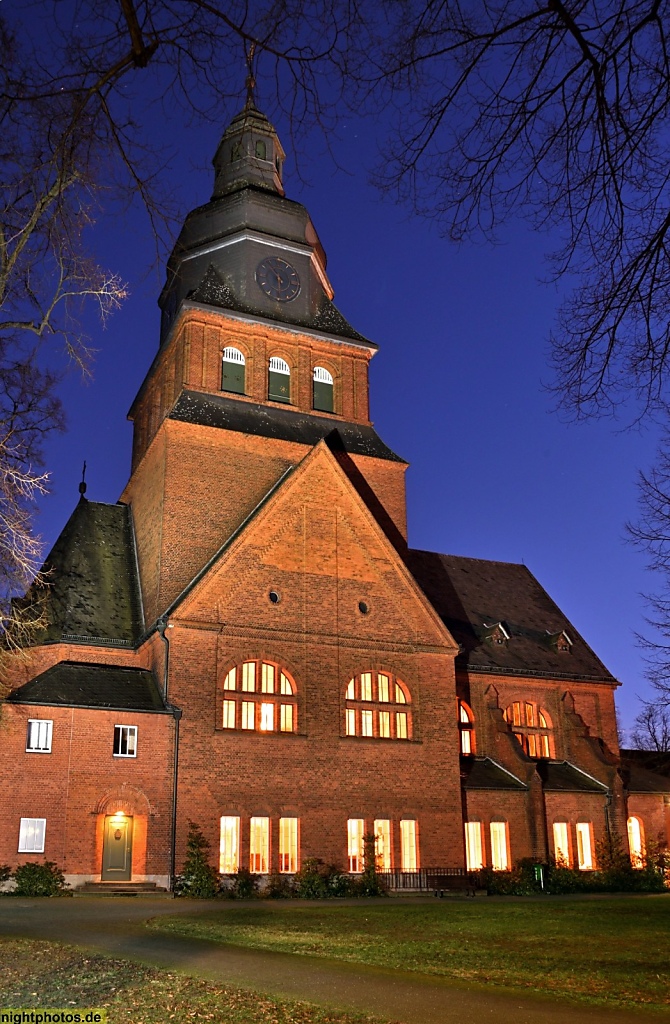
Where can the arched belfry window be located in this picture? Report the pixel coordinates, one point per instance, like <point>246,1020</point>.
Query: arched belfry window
<point>378,705</point>
<point>466,727</point>
<point>259,696</point>
<point>261,149</point>
<point>232,371</point>
<point>322,389</point>
<point>532,728</point>
<point>279,380</point>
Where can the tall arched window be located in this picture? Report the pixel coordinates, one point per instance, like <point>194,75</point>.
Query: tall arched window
<point>232,370</point>
<point>377,705</point>
<point>259,696</point>
<point>466,726</point>
<point>261,149</point>
<point>279,380</point>
<point>636,842</point>
<point>532,727</point>
<point>322,390</point>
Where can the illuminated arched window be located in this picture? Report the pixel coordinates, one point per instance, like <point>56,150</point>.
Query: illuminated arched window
<point>279,380</point>
<point>232,370</point>
<point>377,705</point>
<point>636,842</point>
<point>259,696</point>
<point>322,389</point>
<point>466,726</point>
<point>532,728</point>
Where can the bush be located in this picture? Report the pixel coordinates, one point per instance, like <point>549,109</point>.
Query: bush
<point>317,880</point>
<point>369,883</point>
<point>244,887</point>
<point>279,887</point>
<point>5,873</point>
<point>39,880</point>
<point>198,880</point>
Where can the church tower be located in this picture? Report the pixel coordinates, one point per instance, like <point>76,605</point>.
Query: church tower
<point>251,344</point>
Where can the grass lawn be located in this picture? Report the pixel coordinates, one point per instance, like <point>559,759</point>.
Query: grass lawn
<point>39,974</point>
<point>611,951</point>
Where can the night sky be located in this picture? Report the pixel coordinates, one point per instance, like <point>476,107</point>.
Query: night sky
<point>457,387</point>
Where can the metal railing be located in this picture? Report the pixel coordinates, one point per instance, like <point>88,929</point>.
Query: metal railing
<point>431,879</point>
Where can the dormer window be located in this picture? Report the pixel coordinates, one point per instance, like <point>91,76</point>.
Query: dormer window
<point>497,632</point>
<point>233,371</point>
<point>561,641</point>
<point>261,149</point>
<point>322,389</point>
<point>279,380</point>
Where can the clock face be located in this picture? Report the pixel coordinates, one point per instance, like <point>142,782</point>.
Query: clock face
<point>278,279</point>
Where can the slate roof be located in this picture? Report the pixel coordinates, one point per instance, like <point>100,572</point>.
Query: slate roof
<point>70,684</point>
<point>94,592</point>
<point>645,771</point>
<point>471,595</point>
<point>563,777</point>
<point>284,424</point>
<point>326,318</point>
<point>483,773</point>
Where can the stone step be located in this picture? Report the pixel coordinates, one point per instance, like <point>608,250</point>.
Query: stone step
<point>122,889</point>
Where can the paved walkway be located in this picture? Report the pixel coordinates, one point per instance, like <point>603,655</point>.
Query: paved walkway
<point>116,926</point>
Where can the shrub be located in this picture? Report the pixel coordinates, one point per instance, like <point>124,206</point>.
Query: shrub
<point>39,880</point>
<point>369,883</point>
<point>279,887</point>
<point>245,885</point>
<point>198,880</point>
<point>5,873</point>
<point>317,880</point>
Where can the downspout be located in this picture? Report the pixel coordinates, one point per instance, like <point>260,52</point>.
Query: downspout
<point>161,626</point>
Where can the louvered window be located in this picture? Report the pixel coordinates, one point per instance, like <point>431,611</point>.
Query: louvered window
<point>322,390</point>
<point>233,371</point>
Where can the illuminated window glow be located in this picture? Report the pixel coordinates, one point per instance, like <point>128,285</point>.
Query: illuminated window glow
<point>31,835</point>
<point>259,846</point>
<point>229,846</point>
<point>355,831</point>
<point>561,844</point>
<point>409,855</point>
<point>585,846</point>
<point>288,845</point>
<point>271,712</point>
<point>229,714</point>
<point>376,688</point>
<point>636,843</point>
<point>466,728</point>
<point>267,717</point>
<point>382,832</point>
<point>499,861</point>
<point>532,728</point>
<point>474,851</point>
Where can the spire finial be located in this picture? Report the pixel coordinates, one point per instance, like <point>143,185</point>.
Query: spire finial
<point>250,81</point>
<point>82,485</point>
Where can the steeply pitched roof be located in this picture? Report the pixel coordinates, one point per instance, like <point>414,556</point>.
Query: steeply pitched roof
<point>284,424</point>
<point>94,592</point>
<point>473,596</point>
<point>483,773</point>
<point>326,318</point>
<point>645,771</point>
<point>563,777</point>
<point>72,684</point>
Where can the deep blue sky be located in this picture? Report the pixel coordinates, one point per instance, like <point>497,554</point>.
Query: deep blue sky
<point>456,388</point>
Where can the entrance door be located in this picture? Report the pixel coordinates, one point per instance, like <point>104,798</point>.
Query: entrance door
<point>117,849</point>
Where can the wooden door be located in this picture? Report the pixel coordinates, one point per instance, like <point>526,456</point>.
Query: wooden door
<point>117,849</point>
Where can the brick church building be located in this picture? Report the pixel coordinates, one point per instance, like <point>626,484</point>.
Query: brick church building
<point>246,640</point>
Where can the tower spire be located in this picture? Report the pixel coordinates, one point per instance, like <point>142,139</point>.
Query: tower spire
<point>250,79</point>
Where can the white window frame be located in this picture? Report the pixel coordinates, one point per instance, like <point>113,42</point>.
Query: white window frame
<point>233,355</point>
<point>409,846</point>
<point>33,829</point>
<point>322,375</point>
<point>561,834</point>
<point>229,845</point>
<point>39,729</point>
<point>126,731</point>
<point>499,839</point>
<point>584,845</point>
<point>474,847</point>
<point>279,365</point>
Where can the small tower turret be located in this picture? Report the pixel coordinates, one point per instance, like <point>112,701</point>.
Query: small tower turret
<point>249,153</point>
